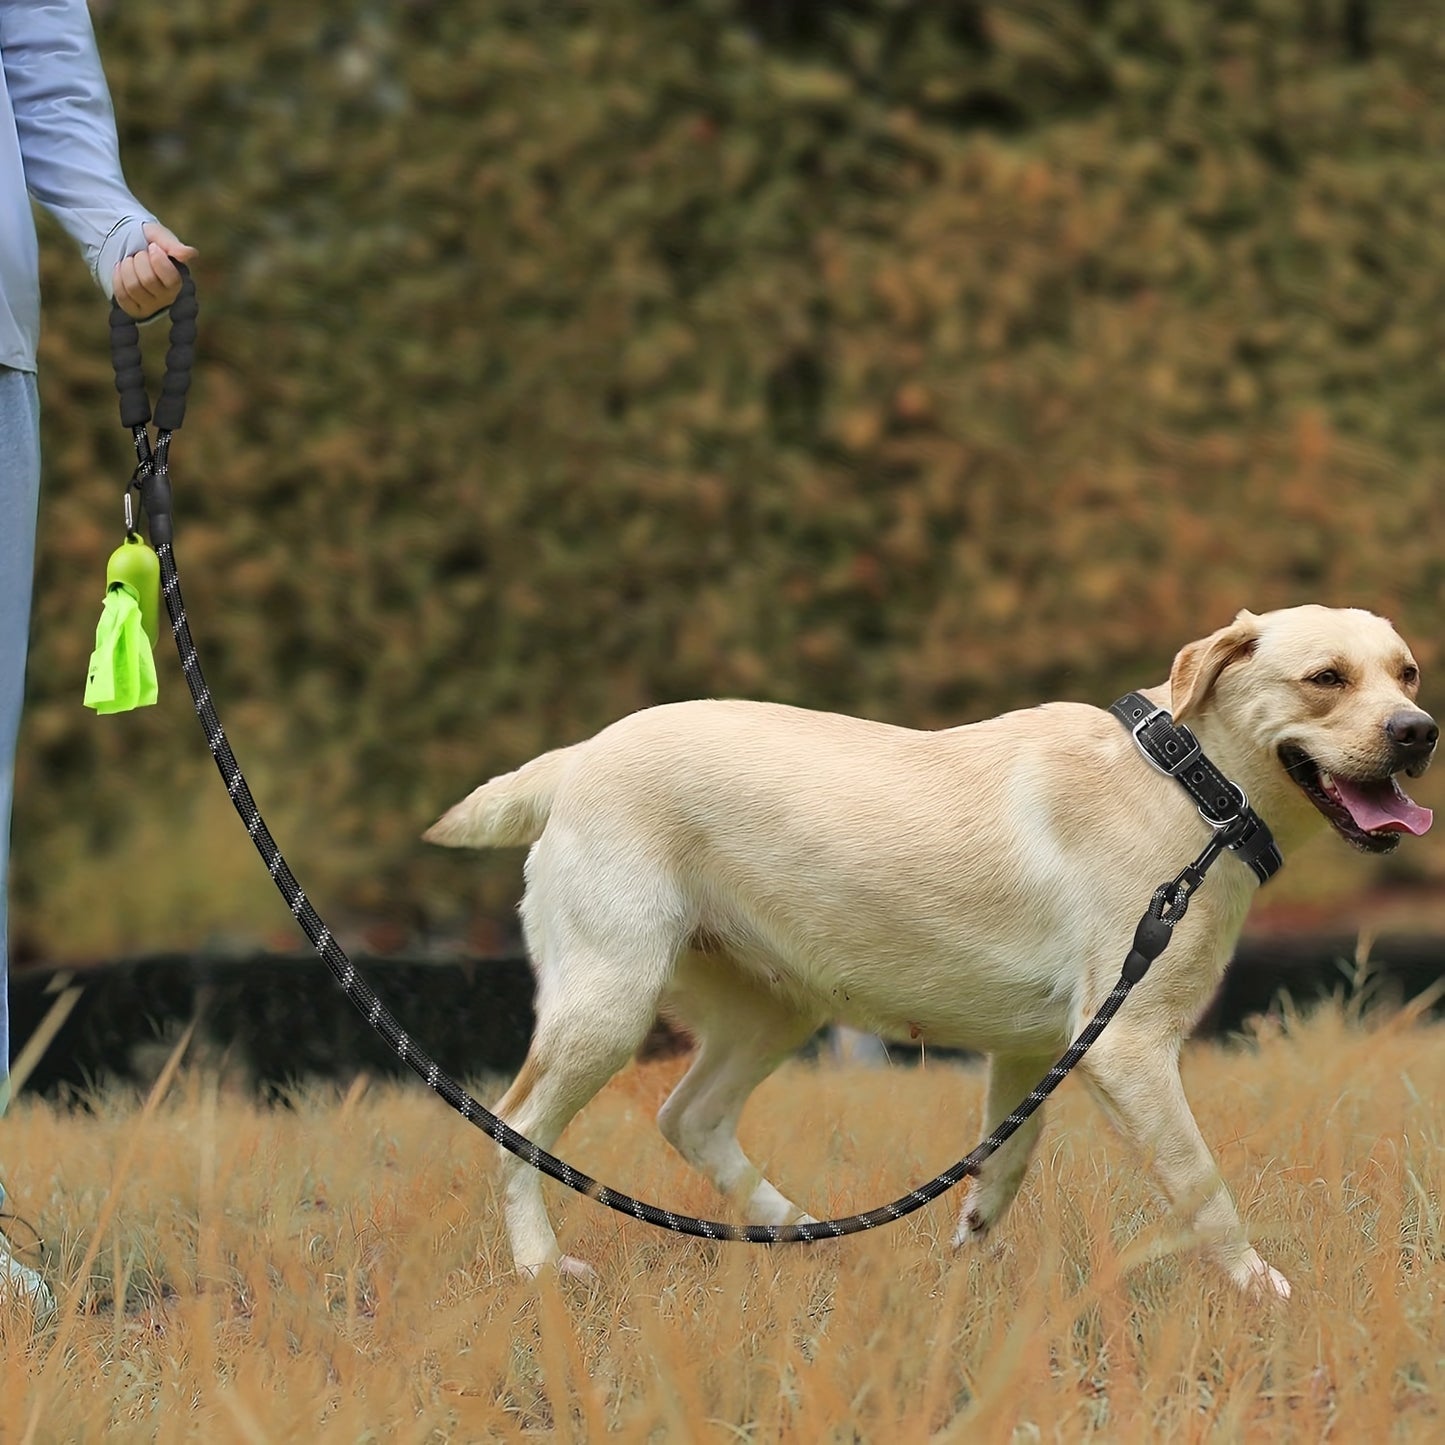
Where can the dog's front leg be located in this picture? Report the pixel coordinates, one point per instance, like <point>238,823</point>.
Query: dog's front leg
<point>1010,1078</point>
<point>1135,1077</point>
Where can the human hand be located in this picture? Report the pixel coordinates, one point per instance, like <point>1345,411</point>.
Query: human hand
<point>148,281</point>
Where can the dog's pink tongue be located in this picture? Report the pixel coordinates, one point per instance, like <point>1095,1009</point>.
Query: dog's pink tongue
<point>1383,807</point>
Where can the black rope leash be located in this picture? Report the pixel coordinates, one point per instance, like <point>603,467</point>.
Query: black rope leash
<point>1166,908</point>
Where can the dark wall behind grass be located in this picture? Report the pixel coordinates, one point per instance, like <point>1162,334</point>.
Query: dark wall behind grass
<point>914,359</point>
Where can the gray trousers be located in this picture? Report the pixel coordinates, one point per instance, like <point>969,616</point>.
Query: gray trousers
<point>19,499</point>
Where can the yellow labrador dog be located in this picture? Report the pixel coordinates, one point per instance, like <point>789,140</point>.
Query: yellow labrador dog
<point>756,871</point>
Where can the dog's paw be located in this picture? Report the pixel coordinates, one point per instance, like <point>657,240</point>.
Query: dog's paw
<point>765,1205</point>
<point>1257,1278</point>
<point>972,1227</point>
<point>570,1267</point>
<point>565,1266</point>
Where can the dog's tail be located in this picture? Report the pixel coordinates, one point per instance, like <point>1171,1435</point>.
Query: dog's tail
<point>508,812</point>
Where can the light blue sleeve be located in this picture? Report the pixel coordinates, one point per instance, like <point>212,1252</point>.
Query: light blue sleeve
<point>66,128</point>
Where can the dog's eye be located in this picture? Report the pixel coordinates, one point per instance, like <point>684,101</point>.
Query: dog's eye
<point>1328,678</point>
<point>1410,676</point>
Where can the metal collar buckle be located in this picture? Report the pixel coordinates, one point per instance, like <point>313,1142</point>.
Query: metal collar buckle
<point>1174,766</point>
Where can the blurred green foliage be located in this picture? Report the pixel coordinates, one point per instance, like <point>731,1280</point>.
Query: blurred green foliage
<point>916,358</point>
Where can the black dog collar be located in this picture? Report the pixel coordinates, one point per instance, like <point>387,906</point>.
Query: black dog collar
<point>1175,752</point>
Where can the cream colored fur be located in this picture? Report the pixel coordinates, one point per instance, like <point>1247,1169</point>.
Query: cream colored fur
<point>756,871</point>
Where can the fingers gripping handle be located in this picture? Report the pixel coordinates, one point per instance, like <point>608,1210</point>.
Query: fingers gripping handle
<point>135,407</point>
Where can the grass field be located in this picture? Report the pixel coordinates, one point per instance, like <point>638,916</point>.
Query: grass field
<point>336,1272</point>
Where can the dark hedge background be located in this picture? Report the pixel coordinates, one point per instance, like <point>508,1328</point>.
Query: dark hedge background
<point>270,1024</point>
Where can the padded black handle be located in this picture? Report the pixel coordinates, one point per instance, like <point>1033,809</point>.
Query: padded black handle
<point>180,355</point>
<point>135,406</point>
<point>130,382</point>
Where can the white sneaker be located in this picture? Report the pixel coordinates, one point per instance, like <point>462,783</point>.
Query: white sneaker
<point>22,1284</point>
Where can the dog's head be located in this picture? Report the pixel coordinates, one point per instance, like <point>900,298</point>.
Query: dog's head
<point>1329,695</point>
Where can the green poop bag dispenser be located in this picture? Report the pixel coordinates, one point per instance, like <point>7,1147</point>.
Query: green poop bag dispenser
<point>122,672</point>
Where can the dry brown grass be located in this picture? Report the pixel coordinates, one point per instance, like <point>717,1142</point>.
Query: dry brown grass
<point>335,1272</point>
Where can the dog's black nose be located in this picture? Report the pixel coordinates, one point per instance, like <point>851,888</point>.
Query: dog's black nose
<point>1413,733</point>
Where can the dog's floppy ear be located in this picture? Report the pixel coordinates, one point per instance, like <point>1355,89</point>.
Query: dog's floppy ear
<point>1198,665</point>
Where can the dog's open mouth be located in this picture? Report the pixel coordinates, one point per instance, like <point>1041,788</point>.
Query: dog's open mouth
<point>1369,813</point>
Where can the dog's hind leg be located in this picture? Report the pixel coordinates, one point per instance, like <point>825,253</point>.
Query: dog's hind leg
<point>1010,1077</point>
<point>603,934</point>
<point>579,1043</point>
<point>744,1032</point>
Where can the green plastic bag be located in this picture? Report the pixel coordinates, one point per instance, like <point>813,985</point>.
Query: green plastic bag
<point>122,671</point>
